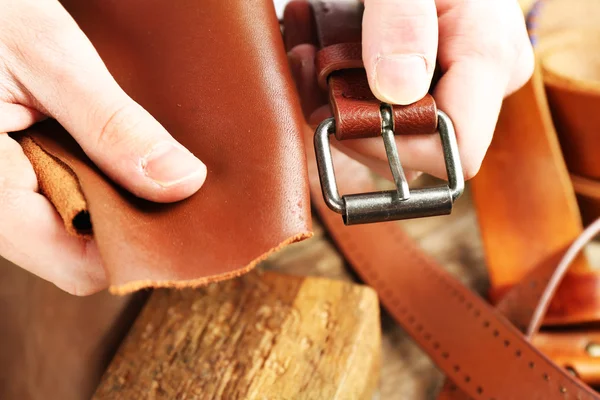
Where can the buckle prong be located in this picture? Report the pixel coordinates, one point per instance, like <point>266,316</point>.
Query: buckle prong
<point>389,141</point>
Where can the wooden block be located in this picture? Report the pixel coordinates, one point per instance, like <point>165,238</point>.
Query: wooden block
<point>263,336</point>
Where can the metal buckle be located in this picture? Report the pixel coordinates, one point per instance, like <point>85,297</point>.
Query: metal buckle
<point>401,203</point>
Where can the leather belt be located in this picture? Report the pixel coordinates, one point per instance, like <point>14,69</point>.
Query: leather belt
<point>478,349</point>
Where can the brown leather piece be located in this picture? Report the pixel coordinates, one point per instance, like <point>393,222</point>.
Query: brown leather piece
<point>357,111</point>
<point>570,349</point>
<point>55,346</point>
<point>567,32</point>
<point>523,190</point>
<point>60,185</point>
<point>166,62</point>
<point>337,57</point>
<point>574,99</point>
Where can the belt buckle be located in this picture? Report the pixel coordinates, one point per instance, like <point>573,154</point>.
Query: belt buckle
<point>402,203</point>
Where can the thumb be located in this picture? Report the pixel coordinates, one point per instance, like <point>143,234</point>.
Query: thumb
<point>399,48</point>
<point>67,79</point>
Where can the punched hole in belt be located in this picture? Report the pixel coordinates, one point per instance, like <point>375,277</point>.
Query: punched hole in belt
<point>571,370</point>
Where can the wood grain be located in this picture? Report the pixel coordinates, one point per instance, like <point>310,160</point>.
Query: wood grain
<point>262,336</point>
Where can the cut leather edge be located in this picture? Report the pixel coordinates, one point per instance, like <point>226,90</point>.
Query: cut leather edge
<point>33,151</point>
<point>130,287</point>
<point>60,185</point>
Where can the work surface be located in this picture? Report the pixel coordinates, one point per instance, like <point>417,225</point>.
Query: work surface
<point>407,373</point>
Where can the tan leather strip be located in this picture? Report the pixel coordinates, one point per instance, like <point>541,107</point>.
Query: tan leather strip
<point>523,190</point>
<point>455,327</point>
<point>59,184</point>
<point>165,59</point>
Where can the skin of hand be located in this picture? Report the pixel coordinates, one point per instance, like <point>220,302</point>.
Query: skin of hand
<point>48,68</point>
<point>482,49</point>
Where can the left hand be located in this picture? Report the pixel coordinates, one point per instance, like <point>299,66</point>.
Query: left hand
<point>484,53</point>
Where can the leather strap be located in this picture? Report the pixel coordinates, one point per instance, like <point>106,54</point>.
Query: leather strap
<point>340,69</point>
<point>474,346</point>
<point>436,310</point>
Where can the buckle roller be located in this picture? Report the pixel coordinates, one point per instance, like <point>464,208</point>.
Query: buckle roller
<point>402,203</point>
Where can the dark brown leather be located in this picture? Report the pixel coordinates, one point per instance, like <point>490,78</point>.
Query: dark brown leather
<point>241,211</point>
<point>357,111</point>
<point>339,66</point>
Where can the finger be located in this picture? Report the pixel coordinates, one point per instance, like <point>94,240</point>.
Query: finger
<point>15,169</point>
<point>486,53</point>
<point>315,109</point>
<point>399,48</point>
<point>28,221</point>
<point>59,66</point>
<point>479,46</point>
<point>16,117</point>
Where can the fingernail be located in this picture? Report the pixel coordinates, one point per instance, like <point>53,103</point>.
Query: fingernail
<point>169,164</point>
<point>402,79</point>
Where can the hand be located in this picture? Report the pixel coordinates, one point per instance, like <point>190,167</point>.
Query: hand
<point>484,53</point>
<point>48,68</point>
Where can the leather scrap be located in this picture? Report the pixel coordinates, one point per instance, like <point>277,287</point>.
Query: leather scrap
<point>240,119</point>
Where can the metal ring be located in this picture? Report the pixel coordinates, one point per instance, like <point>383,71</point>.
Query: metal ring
<point>456,179</point>
<point>325,166</point>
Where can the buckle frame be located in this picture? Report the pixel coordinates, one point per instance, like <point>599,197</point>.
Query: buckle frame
<point>391,205</point>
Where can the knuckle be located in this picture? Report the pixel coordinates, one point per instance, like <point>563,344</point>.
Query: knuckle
<point>411,20</point>
<point>118,126</point>
<point>493,33</point>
